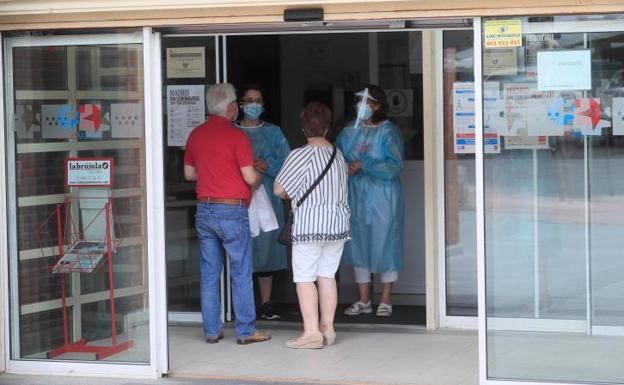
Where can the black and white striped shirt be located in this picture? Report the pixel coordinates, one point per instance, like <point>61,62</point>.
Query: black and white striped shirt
<point>324,215</point>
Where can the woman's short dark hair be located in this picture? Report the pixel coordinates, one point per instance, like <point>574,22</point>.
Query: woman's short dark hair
<point>252,87</point>
<point>378,93</point>
<point>315,119</point>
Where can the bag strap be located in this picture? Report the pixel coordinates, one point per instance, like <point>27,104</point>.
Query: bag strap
<point>318,180</point>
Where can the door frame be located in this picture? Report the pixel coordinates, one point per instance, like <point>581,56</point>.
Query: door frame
<point>154,205</point>
<point>4,273</point>
<point>445,320</point>
<point>434,163</point>
<point>155,185</point>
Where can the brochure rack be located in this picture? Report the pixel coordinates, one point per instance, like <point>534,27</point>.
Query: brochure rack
<point>85,242</point>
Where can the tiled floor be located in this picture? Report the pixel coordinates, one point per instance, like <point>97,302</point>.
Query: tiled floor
<point>21,379</point>
<point>561,357</point>
<point>381,355</point>
<point>407,356</point>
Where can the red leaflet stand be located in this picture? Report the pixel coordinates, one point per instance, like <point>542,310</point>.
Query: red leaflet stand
<point>82,247</point>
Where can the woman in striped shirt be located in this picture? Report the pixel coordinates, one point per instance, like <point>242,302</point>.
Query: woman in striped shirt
<point>320,225</point>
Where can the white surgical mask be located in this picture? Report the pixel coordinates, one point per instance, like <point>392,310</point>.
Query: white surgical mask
<point>364,112</point>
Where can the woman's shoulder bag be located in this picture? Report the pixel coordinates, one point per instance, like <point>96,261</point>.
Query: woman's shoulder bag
<point>285,235</point>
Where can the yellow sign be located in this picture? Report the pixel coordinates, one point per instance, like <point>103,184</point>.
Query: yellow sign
<point>503,33</point>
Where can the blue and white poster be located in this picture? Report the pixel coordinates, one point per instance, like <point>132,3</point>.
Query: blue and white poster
<point>464,119</point>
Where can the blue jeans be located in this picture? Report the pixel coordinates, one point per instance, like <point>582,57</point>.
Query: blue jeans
<point>226,227</point>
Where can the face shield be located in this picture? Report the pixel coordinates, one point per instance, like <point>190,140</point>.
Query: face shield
<point>364,111</point>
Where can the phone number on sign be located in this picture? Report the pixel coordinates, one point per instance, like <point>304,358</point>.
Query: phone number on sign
<point>504,43</point>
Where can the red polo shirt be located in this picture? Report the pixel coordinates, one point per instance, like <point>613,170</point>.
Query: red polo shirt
<point>218,150</point>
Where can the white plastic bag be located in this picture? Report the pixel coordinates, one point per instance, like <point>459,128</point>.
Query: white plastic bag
<point>261,215</point>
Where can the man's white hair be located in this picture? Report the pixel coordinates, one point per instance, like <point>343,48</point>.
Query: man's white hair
<point>218,97</point>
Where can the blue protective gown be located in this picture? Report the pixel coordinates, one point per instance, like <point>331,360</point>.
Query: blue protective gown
<point>269,143</point>
<point>375,196</point>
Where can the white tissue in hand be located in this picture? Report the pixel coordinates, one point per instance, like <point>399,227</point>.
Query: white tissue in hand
<point>261,215</point>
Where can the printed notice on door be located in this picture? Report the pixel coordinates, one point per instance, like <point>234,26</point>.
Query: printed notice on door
<point>565,70</point>
<point>503,33</point>
<point>185,111</point>
<point>526,143</point>
<point>186,62</point>
<point>464,118</point>
<point>498,62</point>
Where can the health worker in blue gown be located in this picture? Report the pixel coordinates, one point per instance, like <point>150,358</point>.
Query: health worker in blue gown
<point>270,149</point>
<point>373,148</point>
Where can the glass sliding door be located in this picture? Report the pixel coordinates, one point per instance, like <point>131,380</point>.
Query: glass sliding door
<point>552,90</point>
<point>605,159</point>
<point>76,97</point>
<point>189,64</point>
<point>459,180</point>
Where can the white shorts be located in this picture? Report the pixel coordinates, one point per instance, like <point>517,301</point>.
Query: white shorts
<point>363,275</point>
<point>317,259</point>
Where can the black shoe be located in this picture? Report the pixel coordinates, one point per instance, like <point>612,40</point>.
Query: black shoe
<point>266,312</point>
<point>214,340</point>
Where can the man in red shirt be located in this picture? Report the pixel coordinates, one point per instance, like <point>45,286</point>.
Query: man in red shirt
<point>219,157</point>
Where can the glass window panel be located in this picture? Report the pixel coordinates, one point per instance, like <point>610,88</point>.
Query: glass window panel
<point>40,68</point>
<point>128,271</point>
<point>40,332</point>
<point>109,68</point>
<point>36,282</point>
<point>33,230</point>
<point>96,321</point>
<point>47,167</point>
<point>554,281</point>
<point>77,101</point>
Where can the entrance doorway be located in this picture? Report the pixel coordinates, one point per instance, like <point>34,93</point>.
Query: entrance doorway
<point>294,69</point>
